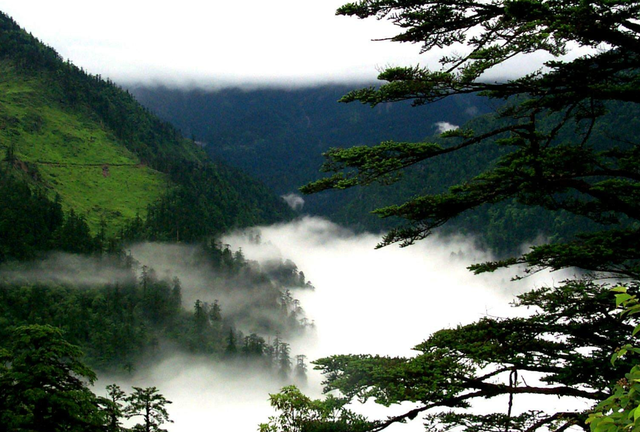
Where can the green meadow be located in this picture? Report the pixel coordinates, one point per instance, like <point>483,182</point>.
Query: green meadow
<point>73,155</point>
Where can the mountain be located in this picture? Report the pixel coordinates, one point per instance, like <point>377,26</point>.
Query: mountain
<point>86,170</point>
<point>279,135</point>
<point>87,144</point>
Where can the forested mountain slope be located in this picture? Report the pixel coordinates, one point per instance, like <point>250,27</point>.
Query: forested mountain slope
<point>86,141</point>
<point>86,176</point>
<point>280,136</point>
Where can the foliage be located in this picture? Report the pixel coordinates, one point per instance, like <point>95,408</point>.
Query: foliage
<point>44,384</point>
<point>563,348</point>
<point>31,223</point>
<point>151,406</point>
<point>620,411</point>
<point>542,165</point>
<point>27,220</point>
<point>44,387</point>
<point>122,324</point>
<point>299,413</point>
<point>114,407</point>
<point>208,201</point>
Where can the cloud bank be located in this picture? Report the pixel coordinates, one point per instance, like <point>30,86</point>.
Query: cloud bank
<point>215,43</point>
<point>366,301</point>
<point>212,44</point>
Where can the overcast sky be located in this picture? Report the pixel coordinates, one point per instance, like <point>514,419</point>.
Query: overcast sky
<point>217,43</point>
<point>213,42</point>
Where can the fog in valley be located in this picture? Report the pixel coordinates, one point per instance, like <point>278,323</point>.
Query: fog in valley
<point>357,300</point>
<point>365,301</point>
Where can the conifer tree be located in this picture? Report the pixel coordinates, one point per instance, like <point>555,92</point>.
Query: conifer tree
<point>44,384</point>
<point>150,405</point>
<point>114,407</point>
<point>544,132</point>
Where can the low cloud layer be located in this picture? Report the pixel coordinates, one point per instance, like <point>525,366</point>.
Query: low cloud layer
<point>64,268</point>
<point>287,43</point>
<point>284,42</point>
<point>366,301</point>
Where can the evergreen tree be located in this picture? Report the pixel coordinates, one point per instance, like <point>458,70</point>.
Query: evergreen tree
<point>568,342</point>
<point>176,294</point>
<point>540,166</point>
<point>231,350</point>
<point>284,360</point>
<point>150,405</point>
<point>300,371</point>
<point>44,384</point>
<point>114,407</point>
<point>215,314</point>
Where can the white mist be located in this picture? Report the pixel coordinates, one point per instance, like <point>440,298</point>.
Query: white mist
<point>366,301</point>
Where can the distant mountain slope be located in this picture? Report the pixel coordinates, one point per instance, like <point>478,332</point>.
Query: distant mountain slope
<point>107,157</point>
<point>279,134</point>
<point>71,154</point>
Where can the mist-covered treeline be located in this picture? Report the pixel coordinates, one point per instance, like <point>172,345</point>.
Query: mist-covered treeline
<point>123,314</point>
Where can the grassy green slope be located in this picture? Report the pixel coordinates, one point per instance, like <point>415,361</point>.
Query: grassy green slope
<point>73,155</point>
<point>107,157</point>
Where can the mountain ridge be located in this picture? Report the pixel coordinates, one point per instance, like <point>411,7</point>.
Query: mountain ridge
<point>88,142</point>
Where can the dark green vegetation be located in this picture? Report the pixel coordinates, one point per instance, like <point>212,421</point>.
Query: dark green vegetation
<point>555,152</point>
<point>83,139</point>
<point>122,323</point>
<point>84,172</point>
<point>44,387</point>
<point>31,223</point>
<point>279,135</point>
<point>131,323</point>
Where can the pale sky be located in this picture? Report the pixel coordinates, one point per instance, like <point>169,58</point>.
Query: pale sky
<point>214,42</point>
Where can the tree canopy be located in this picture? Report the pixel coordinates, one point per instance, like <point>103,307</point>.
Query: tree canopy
<point>562,348</point>
<point>545,127</point>
<point>44,384</point>
<point>45,387</point>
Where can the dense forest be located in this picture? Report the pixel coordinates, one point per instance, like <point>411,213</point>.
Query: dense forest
<point>280,135</point>
<point>86,173</point>
<point>94,189</point>
<point>88,144</point>
<point>121,323</point>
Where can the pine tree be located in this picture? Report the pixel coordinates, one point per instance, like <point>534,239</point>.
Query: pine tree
<point>150,405</point>
<point>548,159</point>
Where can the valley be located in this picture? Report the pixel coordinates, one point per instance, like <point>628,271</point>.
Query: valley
<point>441,248</point>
